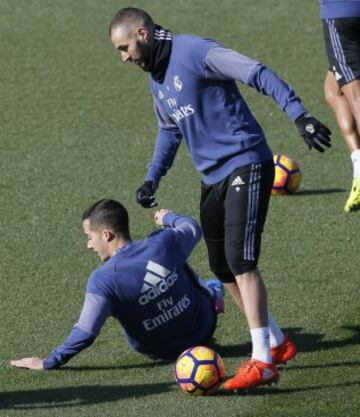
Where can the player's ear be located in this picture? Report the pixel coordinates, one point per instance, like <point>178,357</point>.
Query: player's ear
<point>108,235</point>
<point>143,34</point>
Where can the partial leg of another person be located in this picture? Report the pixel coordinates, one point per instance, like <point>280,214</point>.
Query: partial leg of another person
<point>349,127</point>
<point>342,90</point>
<point>352,93</point>
<point>340,106</point>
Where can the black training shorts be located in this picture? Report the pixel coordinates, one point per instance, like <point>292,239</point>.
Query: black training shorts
<point>342,40</point>
<point>233,213</point>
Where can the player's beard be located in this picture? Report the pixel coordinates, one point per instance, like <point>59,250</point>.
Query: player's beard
<point>154,56</point>
<point>144,55</point>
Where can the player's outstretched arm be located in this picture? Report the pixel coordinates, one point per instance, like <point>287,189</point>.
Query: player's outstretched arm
<point>222,63</point>
<point>315,134</point>
<point>96,310</point>
<point>28,363</point>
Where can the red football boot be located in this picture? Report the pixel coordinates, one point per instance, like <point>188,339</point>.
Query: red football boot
<point>284,352</point>
<point>251,374</point>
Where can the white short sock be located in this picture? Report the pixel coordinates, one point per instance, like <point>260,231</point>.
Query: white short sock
<point>276,334</point>
<point>261,344</point>
<point>355,157</point>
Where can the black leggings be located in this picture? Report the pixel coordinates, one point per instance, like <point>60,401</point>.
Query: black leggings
<point>233,214</point>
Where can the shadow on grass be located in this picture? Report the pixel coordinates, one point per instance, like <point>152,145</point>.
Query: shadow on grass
<point>309,342</point>
<point>115,367</point>
<point>345,364</point>
<point>87,395</point>
<point>319,192</point>
<point>231,351</point>
<point>77,396</point>
<point>305,342</point>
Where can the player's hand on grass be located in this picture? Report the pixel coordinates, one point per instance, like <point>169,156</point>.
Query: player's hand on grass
<point>159,215</point>
<point>145,195</point>
<point>315,134</point>
<point>28,363</point>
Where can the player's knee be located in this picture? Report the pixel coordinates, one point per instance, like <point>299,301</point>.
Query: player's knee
<point>240,266</point>
<point>331,97</point>
<point>335,99</point>
<point>217,261</point>
<point>347,125</point>
<point>221,270</point>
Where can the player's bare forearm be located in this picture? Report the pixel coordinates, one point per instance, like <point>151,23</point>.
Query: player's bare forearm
<point>29,363</point>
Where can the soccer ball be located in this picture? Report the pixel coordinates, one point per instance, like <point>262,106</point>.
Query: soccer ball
<point>287,175</point>
<point>199,371</point>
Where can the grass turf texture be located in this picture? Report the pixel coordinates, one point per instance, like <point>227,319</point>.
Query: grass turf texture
<point>76,125</point>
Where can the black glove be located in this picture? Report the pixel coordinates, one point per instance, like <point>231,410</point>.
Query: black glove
<point>314,133</point>
<point>145,195</point>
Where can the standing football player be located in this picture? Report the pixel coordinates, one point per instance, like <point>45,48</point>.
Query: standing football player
<point>193,83</point>
<point>146,285</point>
<point>341,24</point>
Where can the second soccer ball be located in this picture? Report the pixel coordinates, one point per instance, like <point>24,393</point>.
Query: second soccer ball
<point>287,175</point>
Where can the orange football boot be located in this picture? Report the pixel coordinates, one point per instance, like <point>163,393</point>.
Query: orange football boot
<point>251,374</point>
<point>284,352</point>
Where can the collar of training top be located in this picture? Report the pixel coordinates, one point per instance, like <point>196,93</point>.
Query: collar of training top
<point>160,54</point>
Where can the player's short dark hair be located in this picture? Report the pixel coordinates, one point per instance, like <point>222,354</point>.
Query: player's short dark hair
<point>111,214</point>
<point>130,15</point>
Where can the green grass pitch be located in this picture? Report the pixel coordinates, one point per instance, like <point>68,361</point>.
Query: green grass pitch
<point>76,125</point>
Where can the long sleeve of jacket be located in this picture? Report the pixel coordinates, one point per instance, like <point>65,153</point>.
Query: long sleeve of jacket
<point>167,143</point>
<point>223,63</point>
<point>96,310</point>
<point>187,231</point>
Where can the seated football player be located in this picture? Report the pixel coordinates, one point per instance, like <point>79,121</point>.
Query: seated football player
<point>146,285</point>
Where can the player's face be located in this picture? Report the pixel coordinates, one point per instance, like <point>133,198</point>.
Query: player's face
<point>133,45</point>
<point>97,240</point>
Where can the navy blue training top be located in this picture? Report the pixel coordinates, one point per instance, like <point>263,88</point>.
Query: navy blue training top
<point>156,297</point>
<point>200,102</point>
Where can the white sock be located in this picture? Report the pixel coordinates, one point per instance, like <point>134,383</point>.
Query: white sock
<point>275,333</point>
<point>355,157</point>
<point>261,344</point>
